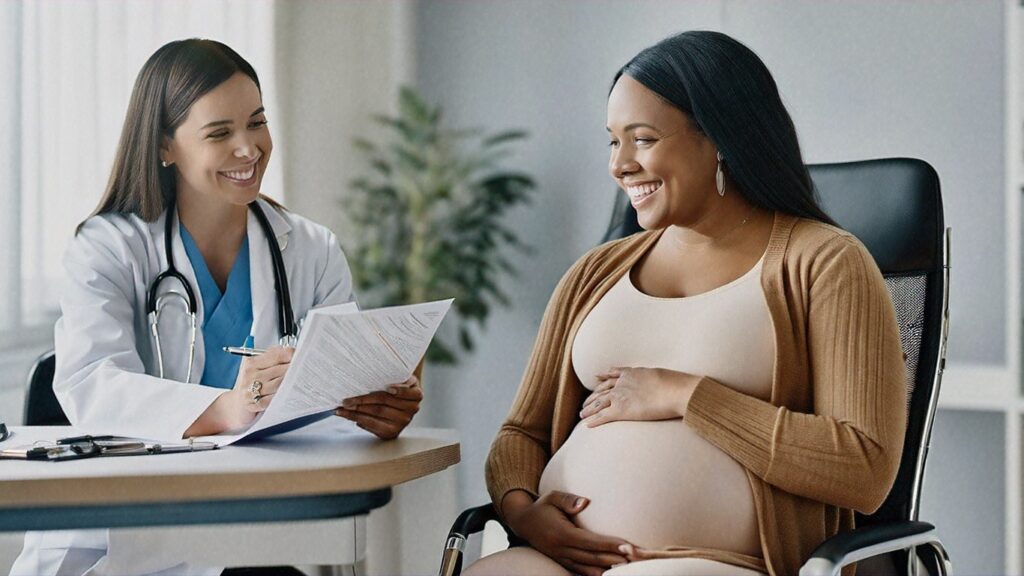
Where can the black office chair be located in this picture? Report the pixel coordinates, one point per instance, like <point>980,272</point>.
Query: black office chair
<point>41,405</point>
<point>894,206</point>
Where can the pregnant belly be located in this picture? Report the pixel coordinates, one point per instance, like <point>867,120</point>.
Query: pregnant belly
<point>656,484</point>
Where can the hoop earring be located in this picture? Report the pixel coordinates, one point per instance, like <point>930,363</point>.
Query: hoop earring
<point>720,177</point>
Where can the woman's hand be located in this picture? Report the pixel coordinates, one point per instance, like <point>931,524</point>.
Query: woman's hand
<point>258,380</point>
<point>638,394</point>
<point>385,414</point>
<point>236,408</point>
<point>548,526</point>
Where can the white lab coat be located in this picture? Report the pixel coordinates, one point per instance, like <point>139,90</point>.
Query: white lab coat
<point>106,359</point>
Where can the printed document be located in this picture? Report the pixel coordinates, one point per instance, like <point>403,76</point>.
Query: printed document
<point>342,353</point>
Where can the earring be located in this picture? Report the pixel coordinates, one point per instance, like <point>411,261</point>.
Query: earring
<point>720,177</point>
<point>165,164</point>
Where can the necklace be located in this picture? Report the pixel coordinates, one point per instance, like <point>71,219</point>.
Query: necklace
<point>727,234</point>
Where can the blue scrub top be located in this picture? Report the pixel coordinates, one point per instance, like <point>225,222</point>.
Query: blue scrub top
<point>227,317</point>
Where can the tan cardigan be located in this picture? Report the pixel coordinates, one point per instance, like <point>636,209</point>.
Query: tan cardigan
<point>830,439</point>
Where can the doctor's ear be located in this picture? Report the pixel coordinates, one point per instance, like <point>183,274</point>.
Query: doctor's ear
<point>166,158</point>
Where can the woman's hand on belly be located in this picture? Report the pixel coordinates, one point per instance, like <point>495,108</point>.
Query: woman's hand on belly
<point>548,526</point>
<point>638,394</point>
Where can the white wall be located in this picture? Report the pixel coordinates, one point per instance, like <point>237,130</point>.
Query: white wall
<point>338,64</point>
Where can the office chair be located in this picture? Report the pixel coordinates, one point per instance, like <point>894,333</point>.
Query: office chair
<point>41,405</point>
<point>894,207</point>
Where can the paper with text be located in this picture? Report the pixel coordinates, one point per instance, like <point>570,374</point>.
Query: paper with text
<point>343,353</point>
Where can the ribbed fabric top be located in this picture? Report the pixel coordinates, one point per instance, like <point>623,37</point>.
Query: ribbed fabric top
<point>829,440</point>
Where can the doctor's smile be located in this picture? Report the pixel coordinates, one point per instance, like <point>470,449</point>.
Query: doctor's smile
<point>245,176</point>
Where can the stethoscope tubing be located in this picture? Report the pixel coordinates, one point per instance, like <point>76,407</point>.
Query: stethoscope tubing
<point>285,315</point>
<point>155,302</point>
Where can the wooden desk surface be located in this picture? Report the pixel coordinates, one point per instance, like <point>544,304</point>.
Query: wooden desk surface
<point>329,457</point>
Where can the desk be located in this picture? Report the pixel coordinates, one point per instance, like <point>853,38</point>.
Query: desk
<point>319,472</point>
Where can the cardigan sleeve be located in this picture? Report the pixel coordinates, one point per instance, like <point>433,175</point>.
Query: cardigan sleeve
<point>521,449</point>
<point>847,452</point>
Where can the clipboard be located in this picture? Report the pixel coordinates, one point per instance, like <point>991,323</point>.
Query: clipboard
<point>79,447</point>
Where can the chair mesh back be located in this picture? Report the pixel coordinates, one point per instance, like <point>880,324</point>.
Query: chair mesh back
<point>908,297</point>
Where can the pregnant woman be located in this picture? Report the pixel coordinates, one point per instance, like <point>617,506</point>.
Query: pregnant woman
<point>719,393</point>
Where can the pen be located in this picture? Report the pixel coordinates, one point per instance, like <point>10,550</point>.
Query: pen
<point>243,351</point>
<point>246,349</point>
<point>190,447</point>
<point>86,438</point>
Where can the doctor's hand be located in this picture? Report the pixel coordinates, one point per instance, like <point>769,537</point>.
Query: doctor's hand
<point>236,408</point>
<point>547,524</point>
<point>638,394</point>
<point>385,414</point>
<point>258,380</point>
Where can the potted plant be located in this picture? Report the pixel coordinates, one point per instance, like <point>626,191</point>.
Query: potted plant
<point>428,220</point>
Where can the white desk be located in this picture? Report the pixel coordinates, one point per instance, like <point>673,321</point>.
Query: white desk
<point>307,478</point>
<point>315,473</point>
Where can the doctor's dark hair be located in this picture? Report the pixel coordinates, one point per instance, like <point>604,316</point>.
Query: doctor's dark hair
<point>730,96</point>
<point>173,78</point>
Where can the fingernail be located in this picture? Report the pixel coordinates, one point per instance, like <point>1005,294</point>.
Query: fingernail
<point>626,549</point>
<point>579,502</point>
<point>392,390</point>
<point>619,564</point>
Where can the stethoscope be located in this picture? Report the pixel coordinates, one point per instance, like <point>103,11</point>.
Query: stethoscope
<point>155,304</point>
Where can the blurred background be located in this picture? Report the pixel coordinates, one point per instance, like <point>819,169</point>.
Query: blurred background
<point>933,79</point>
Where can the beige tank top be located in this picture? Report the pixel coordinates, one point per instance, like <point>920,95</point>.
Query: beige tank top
<point>658,484</point>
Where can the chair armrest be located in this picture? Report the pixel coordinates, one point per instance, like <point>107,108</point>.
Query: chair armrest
<point>469,522</point>
<point>473,520</point>
<point>849,547</point>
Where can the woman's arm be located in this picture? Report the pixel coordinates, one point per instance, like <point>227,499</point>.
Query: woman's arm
<point>521,449</point>
<point>847,452</point>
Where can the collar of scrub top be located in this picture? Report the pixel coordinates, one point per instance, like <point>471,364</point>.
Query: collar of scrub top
<point>263,243</point>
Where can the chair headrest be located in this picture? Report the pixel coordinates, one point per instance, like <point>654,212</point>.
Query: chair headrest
<point>893,205</point>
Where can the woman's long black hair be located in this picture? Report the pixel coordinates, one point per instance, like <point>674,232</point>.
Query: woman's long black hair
<point>727,91</point>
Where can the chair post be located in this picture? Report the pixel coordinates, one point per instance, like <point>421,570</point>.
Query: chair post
<point>933,401</point>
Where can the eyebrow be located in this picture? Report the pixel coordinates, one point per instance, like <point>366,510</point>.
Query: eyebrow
<point>634,126</point>
<point>216,123</point>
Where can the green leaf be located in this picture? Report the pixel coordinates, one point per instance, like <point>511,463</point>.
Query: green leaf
<point>466,339</point>
<point>504,137</point>
<point>414,108</point>
<point>364,145</point>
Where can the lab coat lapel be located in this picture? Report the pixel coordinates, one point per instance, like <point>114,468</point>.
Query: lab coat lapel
<point>261,274</point>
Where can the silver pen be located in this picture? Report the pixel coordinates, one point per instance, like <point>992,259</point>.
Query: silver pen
<point>190,447</point>
<point>243,351</point>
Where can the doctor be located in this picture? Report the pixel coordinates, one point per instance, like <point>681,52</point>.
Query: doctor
<point>182,225</point>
